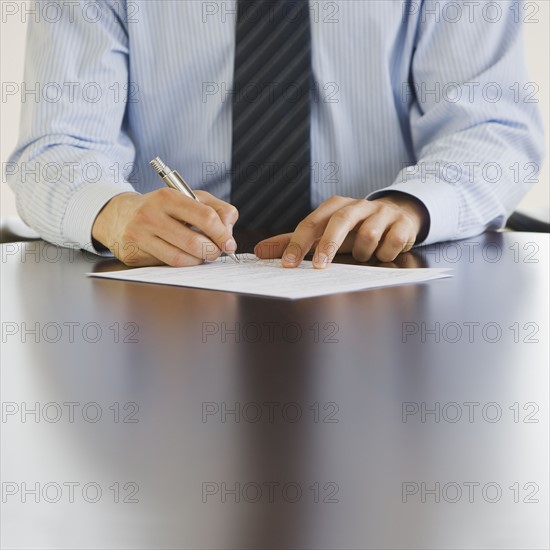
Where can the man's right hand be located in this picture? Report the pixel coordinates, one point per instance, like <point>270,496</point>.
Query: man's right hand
<point>155,228</point>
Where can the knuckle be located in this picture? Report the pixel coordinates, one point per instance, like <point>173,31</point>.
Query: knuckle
<point>307,223</point>
<point>361,202</point>
<point>203,194</point>
<point>407,245</point>
<point>210,216</point>
<point>397,240</point>
<point>369,233</point>
<point>335,199</point>
<point>344,215</point>
<point>165,193</point>
<point>232,212</point>
<point>142,215</point>
<point>194,243</point>
<point>381,206</point>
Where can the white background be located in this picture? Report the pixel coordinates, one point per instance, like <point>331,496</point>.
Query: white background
<point>13,28</point>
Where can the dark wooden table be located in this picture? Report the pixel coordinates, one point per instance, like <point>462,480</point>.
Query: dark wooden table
<point>142,416</point>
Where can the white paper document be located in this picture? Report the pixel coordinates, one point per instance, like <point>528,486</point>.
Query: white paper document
<point>268,278</point>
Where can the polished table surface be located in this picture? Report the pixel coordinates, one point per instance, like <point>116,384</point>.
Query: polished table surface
<point>143,416</point>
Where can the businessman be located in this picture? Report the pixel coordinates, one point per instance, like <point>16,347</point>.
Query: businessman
<point>335,126</point>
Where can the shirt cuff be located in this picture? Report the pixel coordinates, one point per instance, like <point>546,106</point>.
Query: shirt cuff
<point>440,200</point>
<point>82,210</point>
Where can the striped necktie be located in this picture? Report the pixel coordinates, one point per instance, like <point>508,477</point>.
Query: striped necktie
<point>271,157</point>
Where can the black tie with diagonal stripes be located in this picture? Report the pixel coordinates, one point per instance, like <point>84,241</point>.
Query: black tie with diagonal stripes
<point>271,158</point>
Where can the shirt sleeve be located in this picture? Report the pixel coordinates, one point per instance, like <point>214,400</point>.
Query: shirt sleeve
<point>73,153</point>
<point>475,125</point>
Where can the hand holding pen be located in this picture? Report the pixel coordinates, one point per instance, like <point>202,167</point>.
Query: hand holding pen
<point>175,181</point>
<point>156,228</point>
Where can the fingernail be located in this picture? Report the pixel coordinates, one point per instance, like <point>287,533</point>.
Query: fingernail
<point>230,228</point>
<point>230,245</point>
<point>290,258</point>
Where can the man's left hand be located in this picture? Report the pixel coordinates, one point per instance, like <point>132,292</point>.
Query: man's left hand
<point>383,227</point>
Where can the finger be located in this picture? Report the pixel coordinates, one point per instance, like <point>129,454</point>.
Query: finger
<point>142,260</point>
<point>275,246</point>
<point>227,212</point>
<point>370,233</point>
<point>272,247</point>
<point>169,254</point>
<point>400,237</point>
<point>339,226</point>
<point>202,216</point>
<point>152,251</point>
<point>310,229</point>
<point>130,253</point>
<point>186,239</point>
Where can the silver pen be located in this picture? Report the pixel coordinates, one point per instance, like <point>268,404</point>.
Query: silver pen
<point>175,181</point>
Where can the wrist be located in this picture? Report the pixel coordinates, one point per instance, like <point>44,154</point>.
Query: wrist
<point>102,229</point>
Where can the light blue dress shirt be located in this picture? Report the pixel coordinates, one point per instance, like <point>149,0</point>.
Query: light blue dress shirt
<point>430,98</point>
